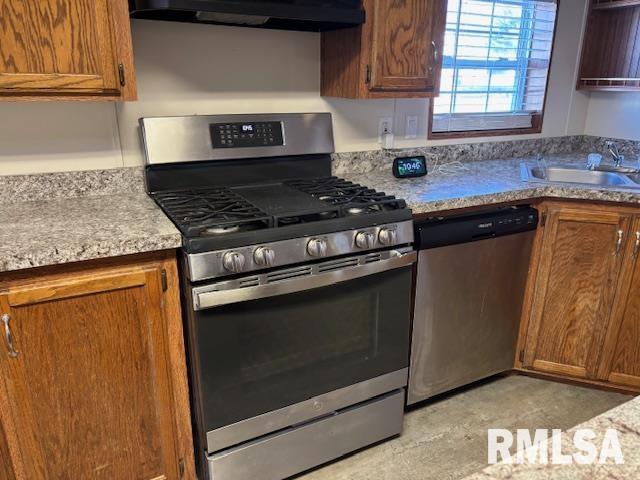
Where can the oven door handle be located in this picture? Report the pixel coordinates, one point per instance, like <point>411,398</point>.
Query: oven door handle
<point>203,299</point>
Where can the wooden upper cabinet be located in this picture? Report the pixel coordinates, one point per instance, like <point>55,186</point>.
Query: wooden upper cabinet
<point>611,49</point>
<point>620,362</point>
<point>395,54</point>
<point>406,45</point>
<point>65,49</point>
<point>90,391</point>
<point>580,259</point>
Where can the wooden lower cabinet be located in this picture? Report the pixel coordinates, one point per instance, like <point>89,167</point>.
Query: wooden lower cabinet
<point>95,386</point>
<point>6,471</point>
<point>580,259</point>
<point>620,362</point>
<point>581,319</point>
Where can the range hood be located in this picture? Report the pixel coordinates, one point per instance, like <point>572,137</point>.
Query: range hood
<point>305,15</point>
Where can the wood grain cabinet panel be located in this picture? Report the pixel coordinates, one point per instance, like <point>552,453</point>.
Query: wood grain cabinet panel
<point>395,54</point>
<point>620,363</point>
<point>65,48</point>
<point>6,471</point>
<point>406,47</point>
<point>92,392</point>
<point>611,50</point>
<point>580,260</point>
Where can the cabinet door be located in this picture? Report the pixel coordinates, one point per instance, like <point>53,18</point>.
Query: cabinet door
<point>65,48</point>
<point>88,394</point>
<point>621,353</point>
<point>581,255</point>
<point>6,471</point>
<point>407,43</point>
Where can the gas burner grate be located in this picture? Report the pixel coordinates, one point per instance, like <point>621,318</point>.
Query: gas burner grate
<point>352,198</point>
<point>307,217</point>
<point>216,211</point>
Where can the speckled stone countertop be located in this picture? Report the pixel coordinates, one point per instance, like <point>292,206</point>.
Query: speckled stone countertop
<point>625,419</point>
<point>68,217</point>
<point>486,182</point>
<point>69,226</point>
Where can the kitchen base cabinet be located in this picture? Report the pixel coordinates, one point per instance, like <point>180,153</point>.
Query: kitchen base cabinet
<point>621,358</point>
<point>6,472</point>
<point>582,319</point>
<point>579,262</point>
<point>93,374</point>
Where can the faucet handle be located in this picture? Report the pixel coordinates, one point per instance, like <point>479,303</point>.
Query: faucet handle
<point>613,149</point>
<point>593,161</point>
<point>542,164</point>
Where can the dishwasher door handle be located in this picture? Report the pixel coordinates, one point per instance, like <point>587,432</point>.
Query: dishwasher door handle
<point>483,236</point>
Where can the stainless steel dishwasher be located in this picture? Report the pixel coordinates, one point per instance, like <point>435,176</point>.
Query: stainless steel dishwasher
<point>472,271</point>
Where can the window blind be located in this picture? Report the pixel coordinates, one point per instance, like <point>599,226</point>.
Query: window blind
<point>495,64</point>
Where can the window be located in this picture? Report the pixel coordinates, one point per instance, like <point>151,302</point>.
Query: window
<point>495,65</point>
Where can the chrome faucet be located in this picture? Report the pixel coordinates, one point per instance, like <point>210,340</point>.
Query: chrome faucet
<point>618,158</point>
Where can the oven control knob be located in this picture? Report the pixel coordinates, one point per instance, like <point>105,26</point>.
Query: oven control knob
<point>365,240</point>
<point>264,256</point>
<point>388,236</point>
<point>317,247</point>
<point>233,262</point>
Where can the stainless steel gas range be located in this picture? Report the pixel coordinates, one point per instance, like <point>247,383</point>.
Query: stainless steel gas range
<point>296,290</point>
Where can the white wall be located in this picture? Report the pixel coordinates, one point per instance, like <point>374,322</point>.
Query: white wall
<point>615,115</point>
<point>58,136</point>
<point>185,69</point>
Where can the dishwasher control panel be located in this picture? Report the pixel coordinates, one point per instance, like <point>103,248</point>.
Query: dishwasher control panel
<point>439,231</point>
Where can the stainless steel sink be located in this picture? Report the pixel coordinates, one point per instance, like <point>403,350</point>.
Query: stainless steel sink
<point>553,175</point>
<point>613,168</point>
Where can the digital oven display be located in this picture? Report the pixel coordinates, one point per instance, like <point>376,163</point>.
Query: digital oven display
<point>242,135</point>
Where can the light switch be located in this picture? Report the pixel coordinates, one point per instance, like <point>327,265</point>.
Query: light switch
<point>411,127</point>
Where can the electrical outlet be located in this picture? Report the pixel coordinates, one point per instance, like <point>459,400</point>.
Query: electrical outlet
<point>385,125</point>
<point>411,127</point>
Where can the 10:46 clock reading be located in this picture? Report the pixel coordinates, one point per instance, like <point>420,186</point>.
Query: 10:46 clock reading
<point>406,167</point>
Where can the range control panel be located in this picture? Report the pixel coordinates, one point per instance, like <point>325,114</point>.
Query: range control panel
<point>247,134</point>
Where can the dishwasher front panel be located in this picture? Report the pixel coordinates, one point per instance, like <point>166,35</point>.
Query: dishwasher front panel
<point>467,312</point>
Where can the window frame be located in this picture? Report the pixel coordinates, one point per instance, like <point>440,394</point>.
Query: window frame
<point>537,119</point>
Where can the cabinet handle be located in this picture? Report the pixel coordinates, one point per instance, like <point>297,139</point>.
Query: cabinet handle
<point>121,75</point>
<point>619,241</point>
<point>436,55</point>
<point>636,247</point>
<point>13,353</point>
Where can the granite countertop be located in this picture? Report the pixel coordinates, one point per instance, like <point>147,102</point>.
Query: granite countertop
<point>75,216</point>
<point>62,230</point>
<point>486,182</point>
<point>625,419</point>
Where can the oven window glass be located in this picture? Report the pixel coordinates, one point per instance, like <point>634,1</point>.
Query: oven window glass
<point>262,355</point>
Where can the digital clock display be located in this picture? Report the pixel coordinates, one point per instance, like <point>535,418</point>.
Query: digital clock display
<point>243,135</point>
<point>407,167</point>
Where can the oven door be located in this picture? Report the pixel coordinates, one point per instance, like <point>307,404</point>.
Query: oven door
<point>277,349</point>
